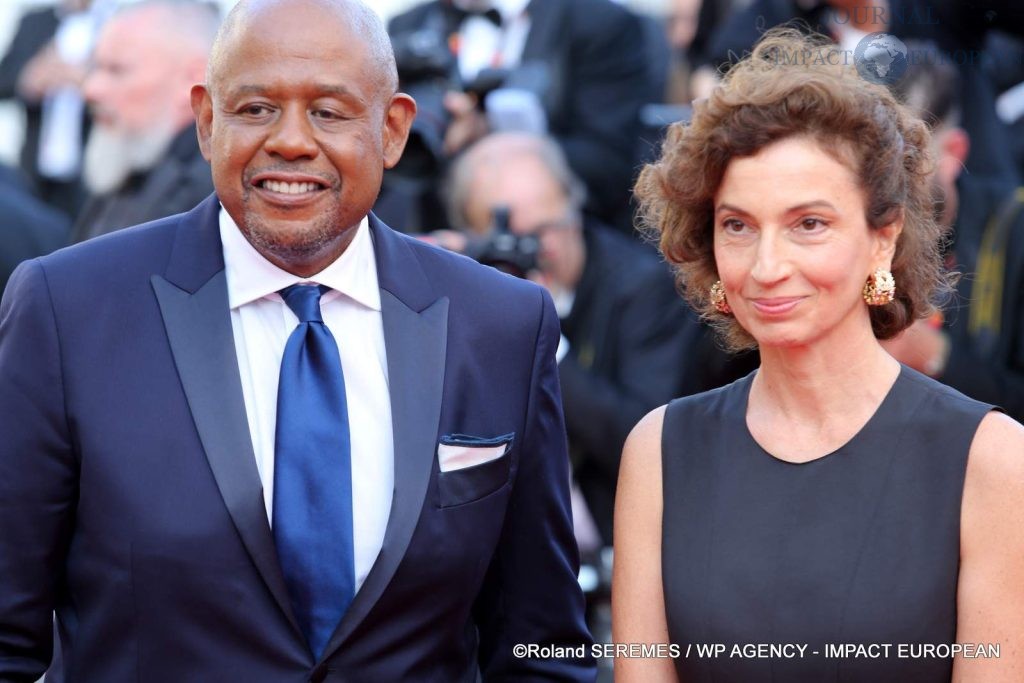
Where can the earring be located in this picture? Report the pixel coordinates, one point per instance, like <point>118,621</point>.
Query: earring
<point>718,298</point>
<point>880,289</point>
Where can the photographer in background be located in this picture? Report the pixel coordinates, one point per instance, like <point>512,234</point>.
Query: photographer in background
<point>574,69</point>
<point>626,334</point>
<point>978,348</point>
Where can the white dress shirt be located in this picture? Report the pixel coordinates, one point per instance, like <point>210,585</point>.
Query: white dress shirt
<point>262,323</point>
<point>483,45</point>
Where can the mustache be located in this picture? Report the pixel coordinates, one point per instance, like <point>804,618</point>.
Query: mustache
<point>329,180</point>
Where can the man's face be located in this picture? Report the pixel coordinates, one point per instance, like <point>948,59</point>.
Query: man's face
<point>132,86</point>
<point>138,93</point>
<point>683,18</point>
<point>298,130</point>
<point>537,205</point>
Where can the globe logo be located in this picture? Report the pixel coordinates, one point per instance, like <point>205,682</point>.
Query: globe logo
<point>881,58</point>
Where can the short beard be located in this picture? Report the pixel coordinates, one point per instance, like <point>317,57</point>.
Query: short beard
<point>112,155</point>
<point>296,248</point>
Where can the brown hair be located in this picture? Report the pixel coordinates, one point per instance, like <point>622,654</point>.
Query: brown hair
<point>792,85</point>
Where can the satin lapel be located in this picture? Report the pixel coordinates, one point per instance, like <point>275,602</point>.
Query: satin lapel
<point>198,324</point>
<point>415,340</point>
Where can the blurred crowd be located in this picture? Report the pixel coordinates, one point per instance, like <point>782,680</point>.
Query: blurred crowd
<point>534,117</point>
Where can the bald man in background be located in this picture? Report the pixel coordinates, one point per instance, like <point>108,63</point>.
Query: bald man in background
<point>142,161</point>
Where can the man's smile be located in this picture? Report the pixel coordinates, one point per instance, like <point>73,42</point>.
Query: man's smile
<point>288,189</point>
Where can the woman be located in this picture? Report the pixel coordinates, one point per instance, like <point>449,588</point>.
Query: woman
<point>833,498</point>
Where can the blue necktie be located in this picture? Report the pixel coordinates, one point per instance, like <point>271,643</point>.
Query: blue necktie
<point>312,473</point>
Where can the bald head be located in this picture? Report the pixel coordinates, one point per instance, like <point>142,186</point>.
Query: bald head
<point>490,157</point>
<point>299,118</point>
<point>358,17</point>
<point>147,58</point>
<point>189,24</point>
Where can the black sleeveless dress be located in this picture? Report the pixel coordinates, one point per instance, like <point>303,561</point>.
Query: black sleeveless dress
<point>856,548</point>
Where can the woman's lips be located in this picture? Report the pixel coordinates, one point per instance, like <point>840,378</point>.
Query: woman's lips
<point>776,305</point>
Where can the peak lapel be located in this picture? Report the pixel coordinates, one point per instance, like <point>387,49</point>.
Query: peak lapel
<point>415,338</point>
<point>193,299</point>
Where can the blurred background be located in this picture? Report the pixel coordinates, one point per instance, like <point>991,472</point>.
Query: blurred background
<point>12,123</point>
<point>534,119</point>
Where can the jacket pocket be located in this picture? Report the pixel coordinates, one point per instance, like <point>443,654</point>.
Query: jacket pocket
<point>471,468</point>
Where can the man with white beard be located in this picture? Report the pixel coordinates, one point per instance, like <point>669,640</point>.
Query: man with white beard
<point>142,160</point>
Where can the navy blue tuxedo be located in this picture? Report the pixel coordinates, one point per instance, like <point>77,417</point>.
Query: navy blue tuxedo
<point>130,500</point>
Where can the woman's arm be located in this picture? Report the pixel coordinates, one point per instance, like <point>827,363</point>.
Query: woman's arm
<point>990,596</point>
<point>638,603</point>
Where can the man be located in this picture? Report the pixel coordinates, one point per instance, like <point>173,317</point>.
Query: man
<point>142,161</point>
<point>43,69</point>
<point>180,477</point>
<point>978,346</point>
<point>681,26</point>
<point>585,59</point>
<point>628,337</point>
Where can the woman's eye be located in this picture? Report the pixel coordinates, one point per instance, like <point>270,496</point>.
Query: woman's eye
<point>812,224</point>
<point>733,225</point>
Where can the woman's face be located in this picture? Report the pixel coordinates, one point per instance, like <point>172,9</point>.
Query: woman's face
<point>793,247</point>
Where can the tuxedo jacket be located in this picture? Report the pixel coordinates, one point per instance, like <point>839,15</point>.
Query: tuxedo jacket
<point>131,504</point>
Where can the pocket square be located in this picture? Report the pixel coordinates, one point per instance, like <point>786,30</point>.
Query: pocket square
<point>459,451</point>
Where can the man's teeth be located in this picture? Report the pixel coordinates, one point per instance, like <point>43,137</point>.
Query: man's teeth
<point>289,188</point>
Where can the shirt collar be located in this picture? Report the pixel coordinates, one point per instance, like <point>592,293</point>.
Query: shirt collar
<point>250,276</point>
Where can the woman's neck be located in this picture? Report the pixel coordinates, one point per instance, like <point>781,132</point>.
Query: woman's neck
<point>813,384</point>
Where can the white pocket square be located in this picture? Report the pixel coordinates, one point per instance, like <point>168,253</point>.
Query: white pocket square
<point>461,453</point>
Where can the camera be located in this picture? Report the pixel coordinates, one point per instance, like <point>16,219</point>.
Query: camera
<point>503,249</point>
<point>428,69</point>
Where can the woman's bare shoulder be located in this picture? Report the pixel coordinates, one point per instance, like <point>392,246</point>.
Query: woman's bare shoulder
<point>996,459</point>
<point>994,486</point>
<point>640,468</point>
<point>646,435</point>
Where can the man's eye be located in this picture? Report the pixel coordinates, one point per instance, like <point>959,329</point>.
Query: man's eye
<point>255,109</point>
<point>326,114</point>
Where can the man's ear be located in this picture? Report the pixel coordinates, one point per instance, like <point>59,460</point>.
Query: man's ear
<point>202,109</point>
<point>397,122</point>
<point>954,146</point>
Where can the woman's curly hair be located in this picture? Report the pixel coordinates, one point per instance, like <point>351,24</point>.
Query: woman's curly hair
<point>793,85</point>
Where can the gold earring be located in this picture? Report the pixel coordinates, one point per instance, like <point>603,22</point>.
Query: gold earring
<point>880,289</point>
<point>718,298</point>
